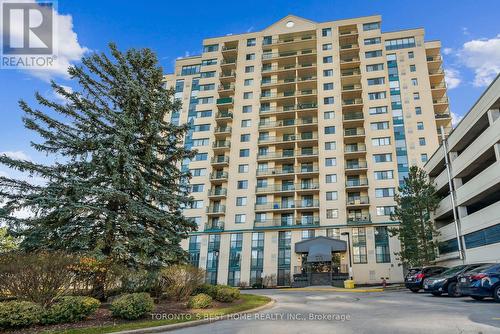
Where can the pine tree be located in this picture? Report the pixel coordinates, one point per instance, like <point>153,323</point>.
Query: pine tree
<point>416,200</point>
<point>115,189</point>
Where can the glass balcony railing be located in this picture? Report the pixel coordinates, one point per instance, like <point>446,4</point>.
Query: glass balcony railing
<point>361,200</point>
<point>224,100</point>
<point>215,226</point>
<point>216,209</point>
<point>356,183</point>
<point>220,160</point>
<point>218,175</point>
<point>358,165</point>
<point>217,192</point>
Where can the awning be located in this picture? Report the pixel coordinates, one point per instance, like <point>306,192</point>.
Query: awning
<point>320,249</point>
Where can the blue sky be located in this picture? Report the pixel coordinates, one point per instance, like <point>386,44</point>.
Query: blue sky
<point>469,32</point>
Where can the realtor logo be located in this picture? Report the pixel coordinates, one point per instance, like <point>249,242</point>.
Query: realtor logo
<point>27,34</point>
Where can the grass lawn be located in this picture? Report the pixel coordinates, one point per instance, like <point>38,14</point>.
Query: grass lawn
<point>248,302</point>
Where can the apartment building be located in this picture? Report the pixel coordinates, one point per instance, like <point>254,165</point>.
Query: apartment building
<point>473,150</point>
<point>304,131</point>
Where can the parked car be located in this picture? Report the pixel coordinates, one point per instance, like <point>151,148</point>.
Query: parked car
<point>414,280</point>
<point>446,282</point>
<point>481,282</point>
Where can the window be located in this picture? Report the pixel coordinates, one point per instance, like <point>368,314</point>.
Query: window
<point>371,41</point>
<point>247,109</point>
<point>373,54</point>
<point>385,210</point>
<point>418,111</point>
<point>243,168</point>
<point>421,141</point>
<point>423,157</point>
<point>201,127</point>
<point>420,125</point>
<point>198,204</point>
<point>267,40</point>
<point>331,195</point>
<point>382,253</point>
<point>244,152</point>
<point>376,95</point>
<point>201,157</point>
<point>179,86</point>
<point>379,125</point>
<point>200,142</point>
<point>382,141</point>
<point>207,87</point>
<point>203,113</point>
<point>483,237</point>
<point>400,43</point>
<point>329,162</point>
<point>413,68</point>
<point>211,48</point>
<point>242,184</point>
<point>330,145</point>
<point>329,130</point>
<point>190,69</point>
<point>384,192</point>
<point>245,123</point>
<point>329,115</point>
<point>327,73</point>
<point>198,171</point>
<point>387,157</point>
<point>248,82</point>
<point>241,201</point>
<point>208,62</point>
<point>416,96</point>
<point>245,137</point>
<point>250,56</point>
<point>332,213</point>
<point>331,178</point>
<point>261,199</point>
<point>197,188</point>
<point>247,95</point>
<point>359,245</point>
<point>307,234</point>
<point>209,74</point>
<point>377,110</point>
<point>414,81</point>
<point>240,218</point>
<point>411,55</point>
<point>376,81</point>
<point>251,42</point>
<point>328,100</point>
<point>371,26</point>
<point>326,32</point>
<point>327,46</point>
<point>374,67</point>
<point>328,86</point>
<point>206,100</point>
<point>384,175</point>
<point>327,60</point>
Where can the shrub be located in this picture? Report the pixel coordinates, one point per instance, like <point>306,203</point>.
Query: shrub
<point>200,300</point>
<point>179,281</point>
<point>132,306</point>
<point>70,309</point>
<point>226,294</point>
<point>207,289</point>
<point>15,314</point>
<point>39,277</point>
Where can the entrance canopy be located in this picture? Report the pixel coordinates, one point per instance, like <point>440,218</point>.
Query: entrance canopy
<point>320,249</point>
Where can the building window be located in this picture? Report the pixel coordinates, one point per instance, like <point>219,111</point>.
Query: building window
<point>200,142</point>
<point>250,56</point>
<point>382,141</point>
<point>245,123</point>
<point>251,42</point>
<point>284,257</point>
<point>206,100</point>
<point>327,60</point>
<point>242,184</point>
<point>421,141</point>
<point>376,81</point>
<point>241,201</point>
<point>245,137</point>
<point>359,245</point>
<point>379,125</point>
<point>331,178</point>
<point>201,157</point>
<point>243,168</point>
<point>328,100</point>
<point>333,233</point>
<point>400,43</point>
<point>330,145</point>
<point>329,162</point>
<point>326,32</point>
<point>413,68</point>
<point>329,115</point>
<point>197,204</point>
<point>384,175</point>
<point>197,188</point>
<point>209,74</point>
<point>418,111</point>
<point>247,95</point>
<point>327,46</point>
<point>382,253</point>
<point>414,81</point>
<point>190,69</point>
<point>244,153</point>
<point>249,69</point>
<point>374,67</point>
<point>376,95</point>
<point>329,130</point>
<point>332,213</point>
<point>248,82</point>
<point>385,210</point>
<point>194,250</point>
<point>411,55</point>
<point>377,110</point>
<point>483,237</point>
<point>386,157</point>
<point>372,41</point>
<point>384,192</point>
<point>423,157</point>
<point>371,26</point>
<point>373,54</point>
<point>198,171</point>
<point>331,195</point>
<point>327,73</point>
<point>416,96</point>
<point>240,218</point>
<point>328,86</point>
<point>208,62</point>
<point>307,234</point>
<point>247,109</point>
<point>420,125</point>
<point>211,48</point>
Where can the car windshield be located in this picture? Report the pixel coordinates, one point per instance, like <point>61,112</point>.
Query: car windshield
<point>413,271</point>
<point>481,268</point>
<point>452,271</point>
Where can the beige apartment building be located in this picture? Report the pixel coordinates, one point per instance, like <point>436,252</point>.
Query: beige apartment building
<point>473,150</point>
<point>304,131</point>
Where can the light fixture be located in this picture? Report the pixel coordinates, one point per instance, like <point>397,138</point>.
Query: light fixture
<point>290,24</point>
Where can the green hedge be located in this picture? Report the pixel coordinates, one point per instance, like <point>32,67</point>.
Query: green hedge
<point>226,294</point>
<point>132,306</point>
<point>200,300</point>
<point>15,314</point>
<point>207,289</point>
<point>70,309</point>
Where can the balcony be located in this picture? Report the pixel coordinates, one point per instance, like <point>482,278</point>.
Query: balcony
<point>229,48</point>
<point>214,227</point>
<point>287,205</point>
<point>436,72</point>
<point>279,41</point>
<point>276,188</point>
<point>349,62</point>
<point>276,172</point>
<point>441,104</point>
<point>354,133</point>
<point>363,219</point>
<point>434,58</point>
<point>352,102</point>
<point>360,201</point>
<point>350,73</point>
<point>220,161</point>
<point>219,176</point>
<point>227,76</point>
<point>221,145</point>
<point>216,210</point>
<point>353,118</point>
<point>307,154</point>
<point>228,62</point>
<point>222,130</point>
<point>309,221</point>
<point>224,115</point>
<point>217,193</point>
<point>356,183</point>
<point>226,88</point>
<point>351,88</point>
<point>293,67</point>
<point>355,150</point>
<point>224,101</point>
<point>276,156</point>
<point>288,109</point>
<point>444,116</point>
<point>349,47</point>
<point>278,55</point>
<point>356,168</point>
<point>347,33</point>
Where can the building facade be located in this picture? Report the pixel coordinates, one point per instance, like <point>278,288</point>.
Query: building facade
<point>304,130</point>
<point>473,149</point>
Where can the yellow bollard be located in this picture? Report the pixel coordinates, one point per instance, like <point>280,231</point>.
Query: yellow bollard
<point>349,284</point>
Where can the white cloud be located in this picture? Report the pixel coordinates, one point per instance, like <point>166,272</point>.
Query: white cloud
<point>66,44</point>
<point>483,57</point>
<point>465,31</point>
<point>447,51</point>
<point>20,155</point>
<point>452,77</point>
<point>455,119</point>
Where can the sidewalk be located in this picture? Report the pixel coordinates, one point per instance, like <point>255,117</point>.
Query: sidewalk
<point>336,289</point>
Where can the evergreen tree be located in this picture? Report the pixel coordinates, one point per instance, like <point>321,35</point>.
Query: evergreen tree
<point>115,189</point>
<point>416,200</point>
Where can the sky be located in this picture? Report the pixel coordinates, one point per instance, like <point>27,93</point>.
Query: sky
<point>469,32</point>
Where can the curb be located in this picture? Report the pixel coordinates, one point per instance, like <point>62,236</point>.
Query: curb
<point>165,328</point>
<point>336,290</point>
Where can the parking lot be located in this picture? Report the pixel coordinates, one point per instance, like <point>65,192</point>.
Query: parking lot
<point>321,311</point>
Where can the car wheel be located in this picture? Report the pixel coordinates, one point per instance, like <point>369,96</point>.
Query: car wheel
<point>477,297</point>
<point>452,290</point>
<point>437,294</point>
<point>415,290</point>
<point>496,294</point>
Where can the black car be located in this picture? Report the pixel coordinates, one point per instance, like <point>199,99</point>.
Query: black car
<point>481,283</point>
<point>414,280</point>
<point>446,282</point>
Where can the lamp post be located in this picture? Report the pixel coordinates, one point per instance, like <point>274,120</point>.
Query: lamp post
<point>349,248</point>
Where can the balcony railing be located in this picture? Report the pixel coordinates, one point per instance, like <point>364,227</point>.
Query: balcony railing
<point>362,200</point>
<point>350,73</point>
<point>349,46</point>
<point>440,101</point>
<point>226,87</point>
<point>288,40</point>
<point>355,148</point>
<point>359,165</point>
<point>227,74</point>
<point>349,60</point>
<point>217,226</point>
<point>347,88</point>
<point>218,175</point>
<point>224,114</point>
<point>288,187</point>
<point>276,155</point>
<point>287,138</point>
<point>221,144</point>
<point>305,221</point>
<point>217,192</point>
<point>288,122</point>
<point>286,67</point>
<point>442,115</point>
<point>353,116</point>
<point>298,107</point>
<point>223,129</point>
<point>348,32</point>
<point>228,62</point>
<point>224,100</point>
<point>348,102</point>
<point>287,171</point>
<point>439,86</point>
<point>288,205</point>
<point>287,80</point>
<point>434,58</point>
<point>436,72</point>
<point>216,209</point>
<point>220,160</point>
<point>354,132</point>
<point>356,183</point>
<point>229,48</point>
<point>267,56</point>
<point>363,219</point>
